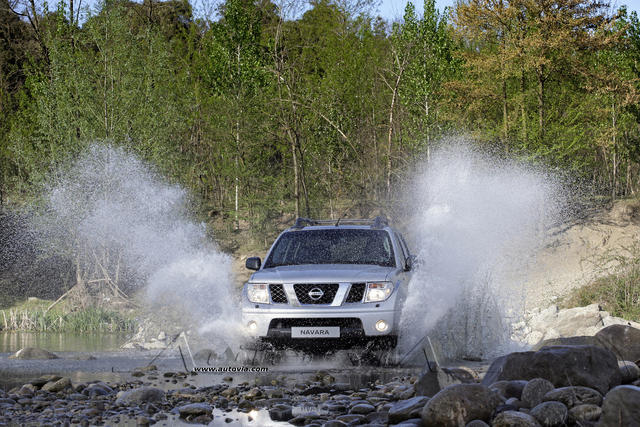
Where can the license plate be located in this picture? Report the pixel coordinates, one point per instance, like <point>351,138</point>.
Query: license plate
<point>315,332</point>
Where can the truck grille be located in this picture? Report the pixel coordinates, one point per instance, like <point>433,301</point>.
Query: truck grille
<point>278,295</point>
<point>329,291</point>
<point>356,292</point>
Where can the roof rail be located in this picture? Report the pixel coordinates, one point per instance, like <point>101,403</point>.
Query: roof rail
<point>380,221</point>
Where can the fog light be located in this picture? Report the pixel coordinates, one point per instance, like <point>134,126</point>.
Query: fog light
<point>381,325</point>
<point>253,326</point>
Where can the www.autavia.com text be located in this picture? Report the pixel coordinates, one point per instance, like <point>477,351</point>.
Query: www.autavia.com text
<point>229,369</point>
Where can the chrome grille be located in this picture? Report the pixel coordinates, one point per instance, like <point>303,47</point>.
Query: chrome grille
<point>303,290</point>
<point>278,295</point>
<point>356,293</point>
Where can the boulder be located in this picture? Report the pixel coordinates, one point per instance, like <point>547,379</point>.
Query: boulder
<point>622,340</point>
<point>33,353</point>
<point>534,391</point>
<point>577,340</point>
<point>509,389</point>
<point>405,409</point>
<point>629,371</point>
<point>477,423</point>
<point>572,396</point>
<point>459,404</point>
<point>588,366</point>
<point>550,414</point>
<point>432,382</point>
<point>362,408</point>
<point>140,395</point>
<point>195,409</point>
<point>56,386</point>
<point>587,412</point>
<point>514,419</point>
<point>621,407</point>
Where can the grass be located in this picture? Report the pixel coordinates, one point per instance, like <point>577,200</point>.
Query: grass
<point>32,315</point>
<point>617,292</point>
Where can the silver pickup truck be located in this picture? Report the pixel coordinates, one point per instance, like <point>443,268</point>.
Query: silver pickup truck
<point>340,283</point>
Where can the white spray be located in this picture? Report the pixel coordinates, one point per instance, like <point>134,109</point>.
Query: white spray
<point>111,199</point>
<point>478,224</point>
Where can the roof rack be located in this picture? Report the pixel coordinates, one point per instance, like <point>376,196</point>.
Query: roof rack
<point>378,222</point>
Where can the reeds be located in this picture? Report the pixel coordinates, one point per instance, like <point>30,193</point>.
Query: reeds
<point>87,320</point>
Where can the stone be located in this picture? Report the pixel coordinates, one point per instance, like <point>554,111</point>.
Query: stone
<point>334,423</point>
<point>432,382</point>
<point>477,423</point>
<point>622,340</point>
<point>362,408</point>
<point>550,414</point>
<point>140,395</point>
<point>588,366</point>
<point>514,419</point>
<point>534,391</point>
<point>577,340</point>
<point>621,407</point>
<point>509,389</point>
<point>281,413</point>
<point>406,409</point>
<point>629,371</point>
<point>460,403</point>
<point>56,386</point>
<point>351,418</point>
<point>572,396</point>
<point>33,353</point>
<point>195,409</point>
<point>585,413</point>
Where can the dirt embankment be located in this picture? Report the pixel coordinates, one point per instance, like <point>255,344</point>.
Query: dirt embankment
<point>582,250</point>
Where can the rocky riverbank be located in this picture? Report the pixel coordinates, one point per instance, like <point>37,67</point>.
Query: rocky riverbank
<point>594,384</point>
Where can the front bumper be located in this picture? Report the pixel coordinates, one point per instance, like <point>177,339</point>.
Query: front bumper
<point>275,320</point>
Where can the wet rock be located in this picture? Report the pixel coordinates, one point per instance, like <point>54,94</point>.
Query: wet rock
<point>534,391</point>
<point>584,413</point>
<point>351,418</point>
<point>403,392</point>
<point>621,407</point>
<point>194,409</point>
<point>588,366</point>
<point>406,409</point>
<point>629,371</point>
<point>509,389</point>
<point>334,423</point>
<point>573,340</point>
<point>550,414</point>
<point>432,382</point>
<point>572,396</point>
<point>33,353</point>
<point>39,382</point>
<point>622,340</point>
<point>362,408</point>
<point>56,386</point>
<point>514,419</point>
<point>281,413</point>
<point>477,423</point>
<point>140,395</point>
<point>460,403</point>
<point>381,418</point>
<point>97,389</point>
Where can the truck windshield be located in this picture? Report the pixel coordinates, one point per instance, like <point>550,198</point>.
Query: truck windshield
<point>339,246</point>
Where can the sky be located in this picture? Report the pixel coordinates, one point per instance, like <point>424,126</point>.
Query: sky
<point>391,9</point>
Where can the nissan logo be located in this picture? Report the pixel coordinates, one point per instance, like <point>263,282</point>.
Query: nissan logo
<point>315,294</point>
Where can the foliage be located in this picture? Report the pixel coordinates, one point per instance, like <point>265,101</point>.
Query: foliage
<point>618,293</point>
<point>264,113</point>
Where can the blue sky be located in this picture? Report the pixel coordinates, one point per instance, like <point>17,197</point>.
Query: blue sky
<point>391,9</point>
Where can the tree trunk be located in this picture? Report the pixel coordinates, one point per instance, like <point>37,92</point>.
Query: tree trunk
<point>523,113</point>
<point>541,105</point>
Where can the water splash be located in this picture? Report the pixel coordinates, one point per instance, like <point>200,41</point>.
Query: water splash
<point>479,223</point>
<point>117,216</point>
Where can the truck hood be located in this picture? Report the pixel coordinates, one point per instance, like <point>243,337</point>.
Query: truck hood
<point>323,273</point>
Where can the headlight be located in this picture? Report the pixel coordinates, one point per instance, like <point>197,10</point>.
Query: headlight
<point>379,291</point>
<point>258,293</point>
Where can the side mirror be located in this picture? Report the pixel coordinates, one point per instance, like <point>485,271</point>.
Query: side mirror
<point>253,263</point>
<point>409,262</point>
